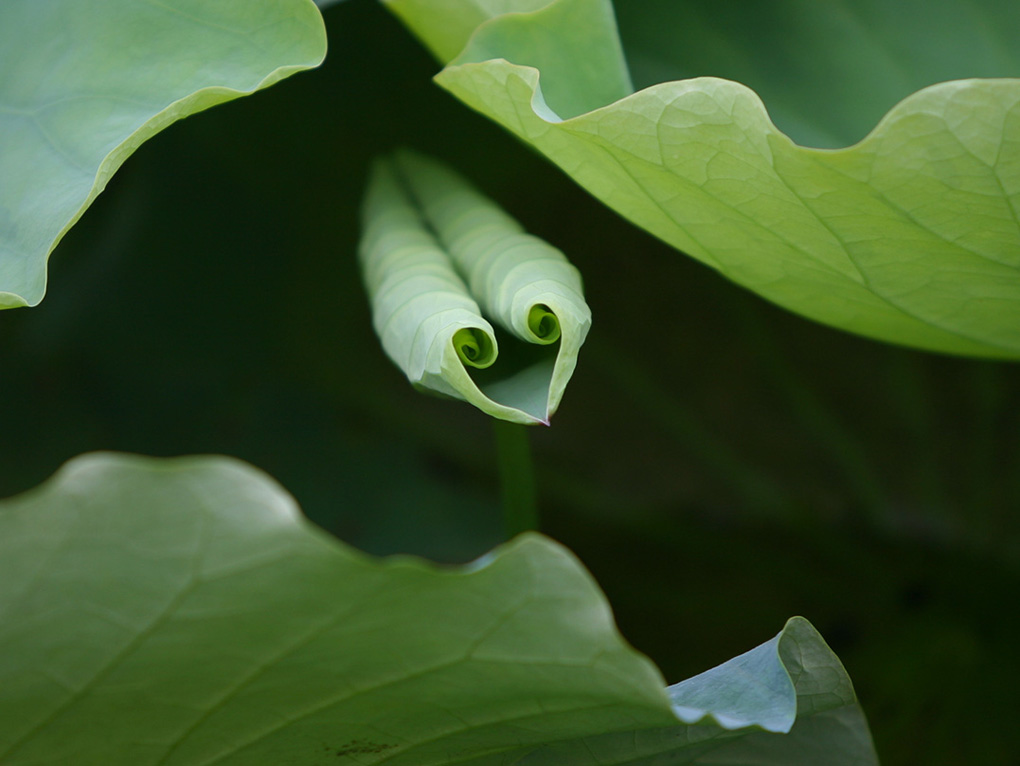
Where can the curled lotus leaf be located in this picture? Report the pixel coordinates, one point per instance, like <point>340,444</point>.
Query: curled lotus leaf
<point>440,260</point>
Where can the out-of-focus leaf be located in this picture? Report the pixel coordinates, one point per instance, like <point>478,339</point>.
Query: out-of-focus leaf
<point>910,236</point>
<point>427,317</point>
<point>182,612</point>
<point>82,85</point>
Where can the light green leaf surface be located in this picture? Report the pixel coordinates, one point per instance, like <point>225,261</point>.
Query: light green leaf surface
<point>437,256</point>
<point>82,85</point>
<point>911,236</point>
<point>182,612</point>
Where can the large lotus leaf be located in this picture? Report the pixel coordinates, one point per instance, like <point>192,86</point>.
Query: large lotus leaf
<point>82,85</point>
<point>182,612</point>
<point>911,235</point>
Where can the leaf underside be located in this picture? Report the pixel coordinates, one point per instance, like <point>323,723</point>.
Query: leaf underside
<point>182,612</point>
<point>911,236</point>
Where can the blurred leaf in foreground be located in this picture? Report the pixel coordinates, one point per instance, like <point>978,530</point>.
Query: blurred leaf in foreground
<point>182,612</point>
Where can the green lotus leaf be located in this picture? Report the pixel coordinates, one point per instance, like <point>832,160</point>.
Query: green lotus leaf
<point>911,235</point>
<point>182,612</point>
<point>437,256</point>
<point>84,84</point>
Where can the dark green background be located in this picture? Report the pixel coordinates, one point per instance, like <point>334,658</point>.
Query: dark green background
<point>720,465</point>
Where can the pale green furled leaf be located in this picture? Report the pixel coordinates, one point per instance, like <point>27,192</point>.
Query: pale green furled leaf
<point>428,323</point>
<point>182,613</point>
<point>911,236</point>
<point>438,256</point>
<point>82,85</point>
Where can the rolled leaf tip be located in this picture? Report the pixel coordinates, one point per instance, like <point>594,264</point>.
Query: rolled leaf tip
<point>543,324</point>
<point>474,347</point>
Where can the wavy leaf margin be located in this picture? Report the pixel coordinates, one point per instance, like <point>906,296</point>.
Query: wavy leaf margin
<point>911,236</point>
<point>182,612</point>
<point>113,78</point>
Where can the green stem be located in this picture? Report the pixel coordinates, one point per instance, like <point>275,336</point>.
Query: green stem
<point>516,477</point>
